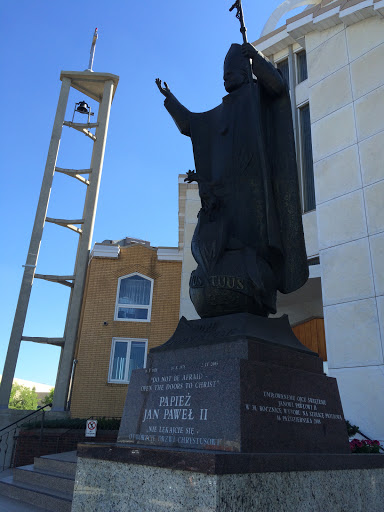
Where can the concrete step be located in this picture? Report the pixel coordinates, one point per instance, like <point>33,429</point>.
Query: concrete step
<point>36,495</point>
<point>51,479</point>
<point>63,463</point>
<point>10,505</point>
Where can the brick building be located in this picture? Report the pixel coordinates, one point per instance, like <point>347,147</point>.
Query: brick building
<point>131,304</point>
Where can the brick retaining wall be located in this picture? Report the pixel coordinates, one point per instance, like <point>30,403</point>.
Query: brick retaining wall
<point>58,440</point>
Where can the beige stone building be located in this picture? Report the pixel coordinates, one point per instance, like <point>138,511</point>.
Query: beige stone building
<point>343,45</point>
<point>130,304</point>
<point>332,55</point>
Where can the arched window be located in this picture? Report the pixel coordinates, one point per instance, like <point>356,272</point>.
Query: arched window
<point>134,298</point>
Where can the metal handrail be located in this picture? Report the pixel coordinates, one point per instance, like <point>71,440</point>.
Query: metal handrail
<point>16,425</point>
<point>26,416</point>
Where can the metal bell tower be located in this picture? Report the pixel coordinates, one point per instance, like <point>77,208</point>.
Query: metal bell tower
<point>100,87</point>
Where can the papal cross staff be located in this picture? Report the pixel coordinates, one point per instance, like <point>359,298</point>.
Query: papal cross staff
<point>240,16</point>
<point>243,29</point>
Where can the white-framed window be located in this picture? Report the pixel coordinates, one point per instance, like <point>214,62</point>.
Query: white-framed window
<point>134,298</point>
<point>127,354</point>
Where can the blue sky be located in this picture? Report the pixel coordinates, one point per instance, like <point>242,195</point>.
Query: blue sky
<point>182,42</point>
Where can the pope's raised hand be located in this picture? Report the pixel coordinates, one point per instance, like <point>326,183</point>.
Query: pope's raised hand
<point>248,50</point>
<point>164,90</point>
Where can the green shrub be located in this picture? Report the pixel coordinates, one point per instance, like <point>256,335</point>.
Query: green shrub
<point>352,429</point>
<point>75,423</point>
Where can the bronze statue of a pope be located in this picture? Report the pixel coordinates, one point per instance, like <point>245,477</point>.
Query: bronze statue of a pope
<point>248,242</point>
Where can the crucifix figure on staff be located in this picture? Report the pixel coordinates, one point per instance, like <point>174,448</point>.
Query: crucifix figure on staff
<point>249,240</point>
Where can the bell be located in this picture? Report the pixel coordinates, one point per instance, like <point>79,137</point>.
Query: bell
<point>83,107</point>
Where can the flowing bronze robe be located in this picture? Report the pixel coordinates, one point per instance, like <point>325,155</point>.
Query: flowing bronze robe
<point>248,183</point>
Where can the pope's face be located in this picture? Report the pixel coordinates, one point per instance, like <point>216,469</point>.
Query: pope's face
<point>233,79</point>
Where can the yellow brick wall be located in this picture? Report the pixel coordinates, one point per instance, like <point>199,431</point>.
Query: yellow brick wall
<point>92,395</point>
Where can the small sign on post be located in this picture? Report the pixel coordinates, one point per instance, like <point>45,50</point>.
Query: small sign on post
<point>91,428</point>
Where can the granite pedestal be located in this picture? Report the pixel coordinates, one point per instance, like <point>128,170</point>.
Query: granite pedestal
<point>115,478</point>
<point>235,390</point>
<point>231,414</point>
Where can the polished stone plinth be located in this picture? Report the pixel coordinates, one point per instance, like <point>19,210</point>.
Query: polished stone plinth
<point>112,478</point>
<point>244,394</point>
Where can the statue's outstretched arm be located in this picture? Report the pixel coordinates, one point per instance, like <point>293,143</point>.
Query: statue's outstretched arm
<point>266,73</point>
<point>179,113</point>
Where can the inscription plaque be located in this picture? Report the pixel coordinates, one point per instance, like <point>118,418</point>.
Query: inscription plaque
<point>181,406</point>
<point>233,405</point>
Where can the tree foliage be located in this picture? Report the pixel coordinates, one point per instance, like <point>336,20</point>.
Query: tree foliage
<point>48,399</point>
<point>23,398</point>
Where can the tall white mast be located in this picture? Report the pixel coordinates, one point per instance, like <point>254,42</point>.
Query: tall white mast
<point>100,87</point>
